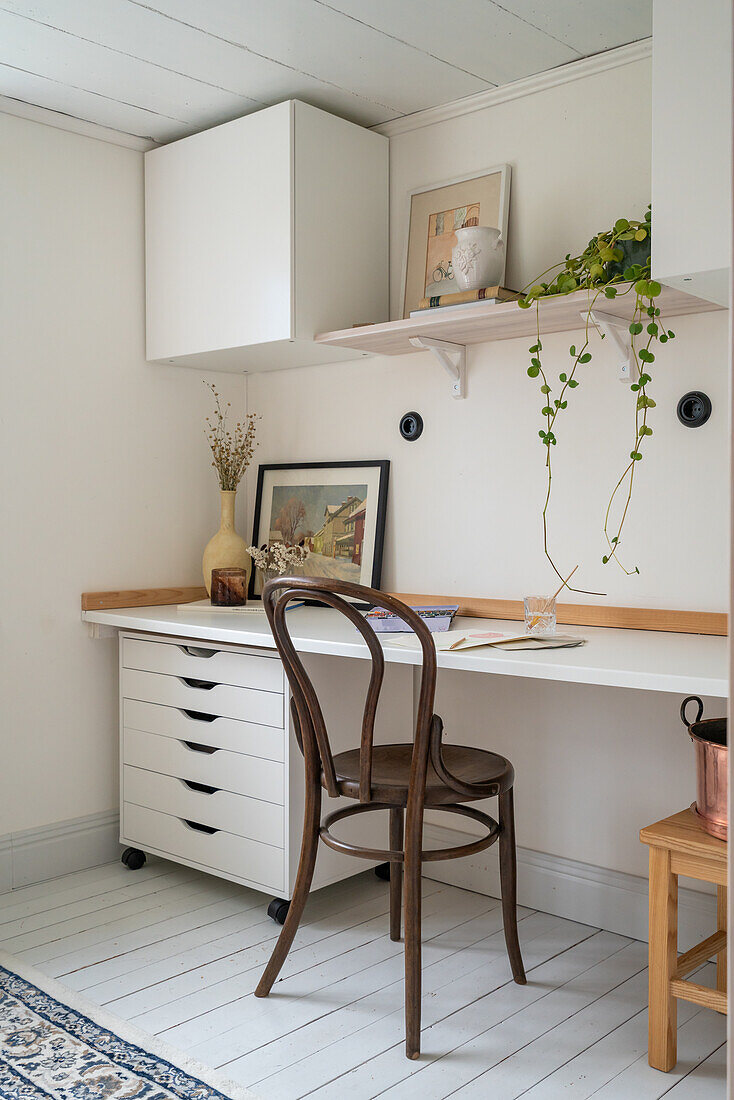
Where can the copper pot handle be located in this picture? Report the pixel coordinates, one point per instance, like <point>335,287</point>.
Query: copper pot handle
<point>684,704</point>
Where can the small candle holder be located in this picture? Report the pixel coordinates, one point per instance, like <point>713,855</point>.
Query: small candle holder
<point>540,615</point>
<point>229,587</point>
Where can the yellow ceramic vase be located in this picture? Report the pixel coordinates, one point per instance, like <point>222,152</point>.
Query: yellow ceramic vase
<point>227,549</point>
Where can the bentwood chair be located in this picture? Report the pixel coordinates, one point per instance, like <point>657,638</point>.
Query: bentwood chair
<point>402,778</point>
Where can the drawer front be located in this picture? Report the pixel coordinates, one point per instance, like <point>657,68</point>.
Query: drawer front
<point>216,852</point>
<point>218,733</point>
<point>249,817</point>
<point>227,771</point>
<point>265,708</point>
<point>201,662</point>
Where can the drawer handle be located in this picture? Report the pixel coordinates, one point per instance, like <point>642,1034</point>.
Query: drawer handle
<point>199,827</point>
<point>198,716</point>
<point>203,685</point>
<point>196,747</point>
<point>196,651</point>
<point>202,788</point>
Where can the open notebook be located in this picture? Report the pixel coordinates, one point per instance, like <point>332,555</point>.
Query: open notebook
<point>472,639</point>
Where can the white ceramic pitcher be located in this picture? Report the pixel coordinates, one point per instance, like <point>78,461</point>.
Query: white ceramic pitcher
<point>478,257</point>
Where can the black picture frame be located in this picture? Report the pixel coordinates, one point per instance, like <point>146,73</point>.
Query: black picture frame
<point>382,465</point>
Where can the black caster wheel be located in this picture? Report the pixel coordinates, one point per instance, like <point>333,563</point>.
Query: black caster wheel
<point>382,870</point>
<point>133,858</point>
<point>278,910</point>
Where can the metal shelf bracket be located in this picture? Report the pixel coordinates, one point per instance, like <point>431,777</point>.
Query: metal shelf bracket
<point>617,328</point>
<point>452,358</point>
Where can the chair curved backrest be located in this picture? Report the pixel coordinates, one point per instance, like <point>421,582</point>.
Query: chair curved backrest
<point>311,729</point>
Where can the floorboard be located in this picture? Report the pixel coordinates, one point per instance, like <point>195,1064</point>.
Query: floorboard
<point>179,954</point>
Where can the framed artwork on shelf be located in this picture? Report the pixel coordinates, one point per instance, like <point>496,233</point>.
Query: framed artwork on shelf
<point>434,215</point>
<point>335,509</point>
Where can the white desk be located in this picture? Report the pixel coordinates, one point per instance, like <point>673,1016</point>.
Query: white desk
<point>211,775</point>
<point>644,659</point>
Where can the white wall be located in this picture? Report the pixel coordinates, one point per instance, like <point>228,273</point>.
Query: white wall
<point>464,512</point>
<point>104,474</point>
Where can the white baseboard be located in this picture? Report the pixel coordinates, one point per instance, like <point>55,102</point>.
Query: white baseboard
<point>605,899</point>
<point>36,855</point>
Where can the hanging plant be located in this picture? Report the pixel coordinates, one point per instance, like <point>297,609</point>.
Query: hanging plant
<point>616,256</point>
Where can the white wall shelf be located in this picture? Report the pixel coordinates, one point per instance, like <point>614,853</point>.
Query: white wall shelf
<point>479,324</point>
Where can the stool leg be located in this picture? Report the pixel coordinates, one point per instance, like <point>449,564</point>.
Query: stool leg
<point>721,899</point>
<point>663,1014</point>
<point>396,871</point>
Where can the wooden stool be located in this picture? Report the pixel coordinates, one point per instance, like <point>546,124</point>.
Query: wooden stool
<point>679,846</point>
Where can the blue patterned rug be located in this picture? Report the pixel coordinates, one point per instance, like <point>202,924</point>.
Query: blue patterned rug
<point>53,1046</point>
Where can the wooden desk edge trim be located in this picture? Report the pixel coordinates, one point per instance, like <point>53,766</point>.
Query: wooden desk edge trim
<point>628,618</point>
<point>140,597</point>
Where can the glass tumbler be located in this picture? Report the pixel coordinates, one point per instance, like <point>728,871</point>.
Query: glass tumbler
<point>540,615</point>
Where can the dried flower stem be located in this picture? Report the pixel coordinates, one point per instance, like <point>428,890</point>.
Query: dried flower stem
<point>231,451</point>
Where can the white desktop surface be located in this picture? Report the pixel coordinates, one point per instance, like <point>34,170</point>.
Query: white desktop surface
<point>649,660</point>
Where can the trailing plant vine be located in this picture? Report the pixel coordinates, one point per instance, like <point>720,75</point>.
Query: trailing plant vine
<point>618,256</point>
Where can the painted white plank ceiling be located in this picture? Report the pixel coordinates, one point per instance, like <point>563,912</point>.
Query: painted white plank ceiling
<point>167,68</point>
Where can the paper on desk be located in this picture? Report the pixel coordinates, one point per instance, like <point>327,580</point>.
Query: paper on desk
<point>452,640</point>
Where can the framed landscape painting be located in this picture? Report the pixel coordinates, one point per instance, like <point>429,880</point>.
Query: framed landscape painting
<point>335,509</point>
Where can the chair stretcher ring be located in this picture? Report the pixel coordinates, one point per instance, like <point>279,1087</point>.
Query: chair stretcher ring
<point>387,856</point>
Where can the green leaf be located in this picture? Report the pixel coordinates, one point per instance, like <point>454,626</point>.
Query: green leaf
<point>533,349</point>
<point>653,289</point>
<point>535,362</point>
<point>564,404</point>
<point>572,350</point>
<point>641,288</point>
<point>634,387</point>
<point>605,559</point>
<point>533,372</point>
<point>615,538</point>
<point>635,456</point>
<point>671,335</point>
<point>585,358</point>
<point>563,377</point>
<point>645,430</point>
<point>545,388</point>
<point>640,235</point>
<point>610,291</point>
<point>653,329</point>
<point>663,339</point>
<point>524,303</point>
<point>620,225</point>
<point>644,379</point>
<point>646,356</point>
<point>572,383</point>
<point>546,410</point>
<point>635,328</point>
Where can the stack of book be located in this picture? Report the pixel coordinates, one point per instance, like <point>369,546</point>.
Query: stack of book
<point>466,297</point>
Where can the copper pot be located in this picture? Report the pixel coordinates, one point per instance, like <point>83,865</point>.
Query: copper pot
<point>712,782</point>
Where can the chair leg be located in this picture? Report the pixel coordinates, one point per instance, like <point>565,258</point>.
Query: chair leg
<point>396,871</point>
<point>413,844</point>
<point>307,862</point>
<point>508,884</point>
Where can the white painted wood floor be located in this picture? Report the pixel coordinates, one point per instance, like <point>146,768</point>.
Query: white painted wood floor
<point>179,953</point>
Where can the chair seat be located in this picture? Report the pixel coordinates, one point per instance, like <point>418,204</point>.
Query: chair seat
<point>391,773</point>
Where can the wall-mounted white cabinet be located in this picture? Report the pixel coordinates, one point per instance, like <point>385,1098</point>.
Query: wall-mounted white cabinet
<point>261,233</point>
<point>692,146</point>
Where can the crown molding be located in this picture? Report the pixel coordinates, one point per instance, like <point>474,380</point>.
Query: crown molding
<point>73,125</point>
<point>529,85</point>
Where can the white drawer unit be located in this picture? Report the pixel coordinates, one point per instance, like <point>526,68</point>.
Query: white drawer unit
<point>211,774</point>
